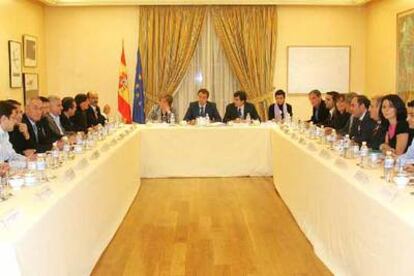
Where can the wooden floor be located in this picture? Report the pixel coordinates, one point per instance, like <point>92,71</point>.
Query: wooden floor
<point>218,226</point>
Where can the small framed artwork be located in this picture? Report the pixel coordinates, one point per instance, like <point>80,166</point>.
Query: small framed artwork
<point>30,86</point>
<point>30,51</point>
<point>15,64</point>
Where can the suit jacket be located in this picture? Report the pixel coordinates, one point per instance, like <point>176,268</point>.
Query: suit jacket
<point>53,128</point>
<point>271,111</point>
<point>363,130</point>
<point>80,121</point>
<point>320,115</point>
<point>18,141</point>
<point>67,124</point>
<point>94,119</point>
<point>232,114</point>
<point>193,112</point>
<point>44,141</point>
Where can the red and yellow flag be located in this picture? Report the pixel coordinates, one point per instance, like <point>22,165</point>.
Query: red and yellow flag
<point>124,105</point>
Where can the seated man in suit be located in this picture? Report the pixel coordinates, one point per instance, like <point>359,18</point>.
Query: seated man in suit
<point>278,110</point>
<point>202,107</point>
<point>240,108</point>
<point>80,120</point>
<point>53,118</point>
<point>93,113</point>
<point>66,117</point>
<point>162,111</point>
<point>20,134</point>
<point>363,126</point>
<point>39,135</point>
<point>320,113</point>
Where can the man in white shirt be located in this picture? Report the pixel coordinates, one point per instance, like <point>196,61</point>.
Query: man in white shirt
<point>8,116</point>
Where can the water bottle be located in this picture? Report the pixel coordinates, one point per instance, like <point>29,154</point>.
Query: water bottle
<point>207,119</point>
<point>248,118</point>
<point>347,145</point>
<point>363,154</point>
<point>172,119</point>
<point>388,166</point>
<point>332,139</point>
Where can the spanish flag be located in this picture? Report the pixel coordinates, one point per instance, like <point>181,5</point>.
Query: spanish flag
<point>124,105</point>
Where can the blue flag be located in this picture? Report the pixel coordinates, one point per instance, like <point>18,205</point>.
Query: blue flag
<point>139,99</point>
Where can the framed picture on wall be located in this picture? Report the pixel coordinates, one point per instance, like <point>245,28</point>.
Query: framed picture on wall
<point>30,86</point>
<point>15,64</point>
<point>30,51</point>
<point>405,54</point>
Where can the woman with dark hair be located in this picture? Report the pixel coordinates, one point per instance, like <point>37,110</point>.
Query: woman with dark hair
<point>340,116</point>
<point>80,120</point>
<point>394,115</point>
<point>380,130</point>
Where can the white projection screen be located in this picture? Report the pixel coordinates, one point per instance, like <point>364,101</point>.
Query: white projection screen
<point>322,68</point>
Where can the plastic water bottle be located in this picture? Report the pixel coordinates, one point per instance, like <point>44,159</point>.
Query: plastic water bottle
<point>207,119</point>
<point>332,139</point>
<point>347,145</point>
<point>363,154</point>
<point>388,166</point>
<point>248,118</point>
<point>172,119</point>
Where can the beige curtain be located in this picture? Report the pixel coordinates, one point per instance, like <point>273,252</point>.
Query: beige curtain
<point>168,37</point>
<point>248,35</point>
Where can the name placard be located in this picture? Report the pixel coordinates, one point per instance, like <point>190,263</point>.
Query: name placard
<point>44,193</point>
<point>82,164</point>
<point>312,147</point>
<point>10,218</point>
<point>325,154</point>
<point>340,163</point>
<point>95,155</point>
<point>361,177</point>
<point>388,193</point>
<point>69,175</point>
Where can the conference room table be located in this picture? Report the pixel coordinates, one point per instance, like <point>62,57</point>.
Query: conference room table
<point>208,151</point>
<point>61,227</point>
<point>357,223</point>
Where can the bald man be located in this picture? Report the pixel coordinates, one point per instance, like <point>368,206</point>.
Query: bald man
<point>40,138</point>
<point>93,114</point>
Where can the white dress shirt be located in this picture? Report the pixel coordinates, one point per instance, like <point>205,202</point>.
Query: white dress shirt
<point>7,153</point>
<point>57,121</point>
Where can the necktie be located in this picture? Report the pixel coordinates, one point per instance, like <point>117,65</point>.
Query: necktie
<point>239,112</point>
<point>202,111</point>
<point>36,132</point>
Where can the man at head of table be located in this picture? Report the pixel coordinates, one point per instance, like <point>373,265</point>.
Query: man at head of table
<point>240,109</point>
<point>202,108</point>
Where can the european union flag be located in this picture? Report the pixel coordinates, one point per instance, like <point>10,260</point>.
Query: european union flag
<point>139,99</point>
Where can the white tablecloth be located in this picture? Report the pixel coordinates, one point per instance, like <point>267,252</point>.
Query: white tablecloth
<point>63,226</point>
<point>358,224</point>
<point>205,151</point>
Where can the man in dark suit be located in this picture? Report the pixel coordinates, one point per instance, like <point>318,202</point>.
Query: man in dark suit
<point>93,114</point>
<point>363,126</point>
<point>52,118</point>
<point>202,107</point>
<point>39,139</point>
<point>240,108</point>
<point>68,112</point>
<point>320,113</point>
<point>277,110</point>
<point>20,133</point>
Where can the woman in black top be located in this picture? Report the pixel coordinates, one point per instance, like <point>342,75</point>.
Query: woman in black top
<point>340,117</point>
<point>379,132</point>
<point>394,114</point>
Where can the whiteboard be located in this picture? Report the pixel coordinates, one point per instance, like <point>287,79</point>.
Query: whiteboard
<point>322,68</point>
